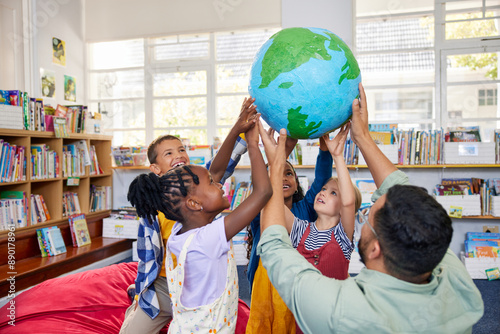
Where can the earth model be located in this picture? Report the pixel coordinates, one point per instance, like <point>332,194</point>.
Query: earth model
<point>304,80</point>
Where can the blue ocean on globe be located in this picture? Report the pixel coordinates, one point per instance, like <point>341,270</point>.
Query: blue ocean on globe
<point>305,80</point>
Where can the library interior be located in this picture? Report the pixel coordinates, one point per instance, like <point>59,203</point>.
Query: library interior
<point>86,87</point>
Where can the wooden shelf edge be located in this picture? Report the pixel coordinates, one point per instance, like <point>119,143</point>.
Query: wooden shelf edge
<point>53,222</point>
<point>50,134</point>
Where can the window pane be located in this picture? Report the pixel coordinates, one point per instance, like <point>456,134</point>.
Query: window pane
<point>403,104</point>
<point>391,7</point>
<point>120,54</point>
<point>232,78</point>
<point>174,48</point>
<point>129,138</point>
<point>241,45</point>
<point>472,67</point>
<point>195,136</point>
<point>470,4</point>
<point>397,69</point>
<point>180,83</point>
<point>464,101</point>
<point>228,109</point>
<point>185,112</point>
<point>393,34</point>
<point>121,114</point>
<point>470,29</point>
<point>117,84</point>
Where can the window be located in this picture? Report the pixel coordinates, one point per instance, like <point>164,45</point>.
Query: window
<point>430,63</point>
<point>187,85</point>
<point>487,97</point>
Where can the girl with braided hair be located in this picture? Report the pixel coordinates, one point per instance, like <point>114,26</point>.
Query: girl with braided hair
<point>204,284</point>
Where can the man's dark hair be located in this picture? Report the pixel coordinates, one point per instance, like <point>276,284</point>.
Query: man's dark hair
<point>152,154</point>
<point>414,231</point>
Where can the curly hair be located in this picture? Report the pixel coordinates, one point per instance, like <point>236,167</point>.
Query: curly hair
<point>149,193</point>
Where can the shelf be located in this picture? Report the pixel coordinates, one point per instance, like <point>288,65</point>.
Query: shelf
<point>397,166</point>
<point>50,134</point>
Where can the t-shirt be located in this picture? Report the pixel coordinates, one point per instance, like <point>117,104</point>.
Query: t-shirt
<point>206,262</point>
<point>317,238</point>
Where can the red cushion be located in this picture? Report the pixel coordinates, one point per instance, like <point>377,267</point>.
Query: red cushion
<point>90,302</point>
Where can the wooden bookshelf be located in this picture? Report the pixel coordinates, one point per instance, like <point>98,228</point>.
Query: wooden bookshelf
<point>52,189</point>
<point>30,267</point>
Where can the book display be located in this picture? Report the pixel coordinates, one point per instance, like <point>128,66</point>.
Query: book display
<point>37,192</point>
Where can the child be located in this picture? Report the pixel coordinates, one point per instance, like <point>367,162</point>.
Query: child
<point>325,243</point>
<point>164,154</point>
<point>203,285</point>
<point>268,312</point>
<point>300,205</point>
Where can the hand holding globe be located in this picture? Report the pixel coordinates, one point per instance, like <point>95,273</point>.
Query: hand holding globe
<point>304,80</point>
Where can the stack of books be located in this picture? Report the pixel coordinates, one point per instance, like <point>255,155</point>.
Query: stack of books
<point>12,162</point>
<point>13,209</point>
<point>50,241</point>
<point>39,210</point>
<point>80,235</point>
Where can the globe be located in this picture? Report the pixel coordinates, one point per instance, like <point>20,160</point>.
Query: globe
<point>304,80</point>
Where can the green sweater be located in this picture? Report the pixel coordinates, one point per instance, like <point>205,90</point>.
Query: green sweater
<point>371,302</point>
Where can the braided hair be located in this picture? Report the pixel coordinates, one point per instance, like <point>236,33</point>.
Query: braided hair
<point>149,193</point>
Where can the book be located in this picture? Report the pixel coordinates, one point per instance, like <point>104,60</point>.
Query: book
<point>80,230</point>
<point>41,243</point>
<point>56,241</point>
<point>60,127</point>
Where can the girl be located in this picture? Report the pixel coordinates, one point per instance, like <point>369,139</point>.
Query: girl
<point>325,243</point>
<point>300,205</point>
<point>203,285</point>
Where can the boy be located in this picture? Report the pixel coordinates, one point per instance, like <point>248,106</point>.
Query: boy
<point>165,153</point>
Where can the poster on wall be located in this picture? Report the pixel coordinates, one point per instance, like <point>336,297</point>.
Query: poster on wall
<point>69,88</point>
<point>48,83</point>
<point>58,51</point>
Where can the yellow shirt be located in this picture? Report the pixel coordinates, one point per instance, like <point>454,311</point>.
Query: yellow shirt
<point>166,229</point>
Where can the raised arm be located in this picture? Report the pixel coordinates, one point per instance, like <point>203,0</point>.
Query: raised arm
<point>245,121</point>
<point>274,213</point>
<point>261,192</point>
<point>347,195</point>
<point>380,167</point>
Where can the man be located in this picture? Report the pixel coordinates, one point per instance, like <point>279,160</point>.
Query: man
<point>412,282</point>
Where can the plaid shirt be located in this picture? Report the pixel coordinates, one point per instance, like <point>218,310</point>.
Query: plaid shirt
<point>151,251</point>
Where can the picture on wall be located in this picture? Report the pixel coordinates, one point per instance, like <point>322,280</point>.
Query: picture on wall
<point>48,83</point>
<point>69,88</point>
<point>58,51</point>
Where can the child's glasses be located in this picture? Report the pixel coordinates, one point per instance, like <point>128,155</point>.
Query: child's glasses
<point>363,218</point>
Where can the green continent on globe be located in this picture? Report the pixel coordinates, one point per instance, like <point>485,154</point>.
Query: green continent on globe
<point>294,47</point>
<point>336,44</point>
<point>297,124</point>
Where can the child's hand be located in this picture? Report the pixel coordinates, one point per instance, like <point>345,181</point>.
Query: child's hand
<point>275,151</point>
<point>336,145</point>
<point>252,134</point>
<point>247,118</point>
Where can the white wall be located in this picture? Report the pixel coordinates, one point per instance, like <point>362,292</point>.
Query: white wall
<point>62,19</point>
<point>336,16</point>
<point>122,19</point>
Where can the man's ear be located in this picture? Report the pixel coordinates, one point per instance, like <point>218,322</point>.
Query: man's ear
<point>155,169</point>
<point>193,204</point>
<point>374,250</point>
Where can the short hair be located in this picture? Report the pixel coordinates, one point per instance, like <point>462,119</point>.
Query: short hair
<point>149,193</point>
<point>152,154</point>
<point>414,231</point>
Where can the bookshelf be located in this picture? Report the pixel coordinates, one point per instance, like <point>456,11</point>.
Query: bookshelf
<point>52,189</point>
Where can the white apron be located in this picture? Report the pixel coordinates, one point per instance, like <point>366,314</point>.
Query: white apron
<point>217,317</point>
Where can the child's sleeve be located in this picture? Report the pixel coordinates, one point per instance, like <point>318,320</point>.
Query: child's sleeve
<point>240,148</point>
<point>298,229</point>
